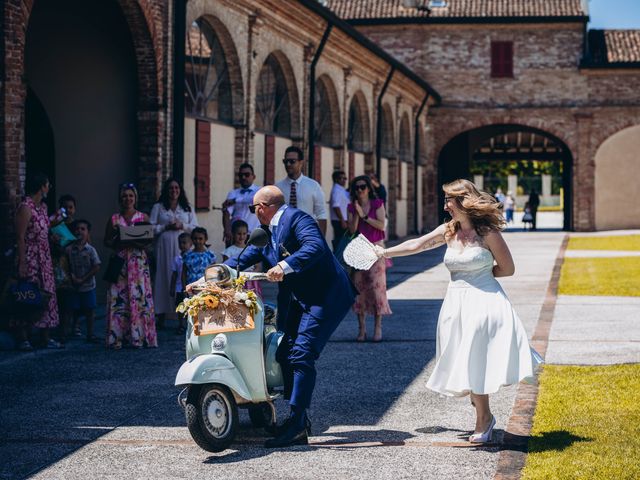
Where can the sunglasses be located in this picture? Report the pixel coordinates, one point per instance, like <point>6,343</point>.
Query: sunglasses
<point>252,208</point>
<point>362,186</point>
<point>289,161</point>
<point>127,185</point>
<point>244,174</point>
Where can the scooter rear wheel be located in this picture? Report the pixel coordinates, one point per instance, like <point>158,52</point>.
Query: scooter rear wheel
<point>212,417</point>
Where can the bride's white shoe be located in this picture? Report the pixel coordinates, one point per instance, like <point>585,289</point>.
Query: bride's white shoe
<point>485,436</point>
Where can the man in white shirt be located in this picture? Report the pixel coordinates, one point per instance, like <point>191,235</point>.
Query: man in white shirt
<point>236,206</point>
<point>302,192</point>
<point>338,202</point>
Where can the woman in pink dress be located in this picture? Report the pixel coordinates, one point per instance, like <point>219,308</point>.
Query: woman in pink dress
<point>366,215</point>
<point>34,257</point>
<point>130,314</point>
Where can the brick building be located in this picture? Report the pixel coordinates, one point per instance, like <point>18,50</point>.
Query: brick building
<point>87,96</point>
<point>529,75</point>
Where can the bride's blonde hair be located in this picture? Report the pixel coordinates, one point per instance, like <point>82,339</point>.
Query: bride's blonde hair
<point>484,211</point>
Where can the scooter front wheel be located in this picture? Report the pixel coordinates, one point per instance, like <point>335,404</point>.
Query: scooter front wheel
<point>212,417</point>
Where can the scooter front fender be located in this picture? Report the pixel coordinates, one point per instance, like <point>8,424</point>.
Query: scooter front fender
<point>212,368</point>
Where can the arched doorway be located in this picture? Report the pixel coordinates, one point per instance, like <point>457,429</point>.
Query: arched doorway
<point>616,181</point>
<point>509,149</point>
<point>358,135</point>
<point>82,74</point>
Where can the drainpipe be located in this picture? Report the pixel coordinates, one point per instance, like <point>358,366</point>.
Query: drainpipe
<point>312,97</point>
<point>379,122</point>
<point>416,156</point>
<point>179,40</point>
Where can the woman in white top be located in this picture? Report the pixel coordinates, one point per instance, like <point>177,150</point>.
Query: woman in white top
<point>171,216</point>
<point>481,344</point>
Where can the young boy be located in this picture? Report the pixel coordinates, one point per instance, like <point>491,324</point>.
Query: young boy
<point>85,264</point>
<point>184,243</point>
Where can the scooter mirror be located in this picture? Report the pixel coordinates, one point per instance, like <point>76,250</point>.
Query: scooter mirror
<point>258,238</point>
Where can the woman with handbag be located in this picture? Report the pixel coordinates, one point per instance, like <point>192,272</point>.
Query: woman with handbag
<point>366,215</point>
<point>34,260</point>
<point>171,215</point>
<point>130,314</point>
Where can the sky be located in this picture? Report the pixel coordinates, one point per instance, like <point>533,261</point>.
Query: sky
<point>614,13</point>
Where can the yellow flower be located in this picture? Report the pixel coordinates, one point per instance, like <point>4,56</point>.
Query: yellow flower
<point>211,302</point>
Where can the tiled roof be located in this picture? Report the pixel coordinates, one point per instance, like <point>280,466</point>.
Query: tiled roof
<point>613,48</point>
<point>622,45</point>
<point>380,9</point>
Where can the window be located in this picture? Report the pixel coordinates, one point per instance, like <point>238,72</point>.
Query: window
<point>502,59</point>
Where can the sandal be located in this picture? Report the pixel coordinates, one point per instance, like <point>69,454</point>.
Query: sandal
<point>53,344</point>
<point>77,332</point>
<point>25,346</point>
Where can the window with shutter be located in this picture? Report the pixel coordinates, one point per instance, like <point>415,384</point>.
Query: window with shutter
<point>502,59</point>
<point>317,164</point>
<point>269,159</point>
<point>203,165</point>
<point>352,165</point>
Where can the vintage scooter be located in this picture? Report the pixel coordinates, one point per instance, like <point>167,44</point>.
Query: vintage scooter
<point>230,365</point>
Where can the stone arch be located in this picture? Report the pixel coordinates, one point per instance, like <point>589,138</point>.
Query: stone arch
<point>141,17</point>
<point>404,140</point>
<point>328,126</point>
<point>227,86</point>
<point>454,157</point>
<point>277,99</point>
<point>388,145</point>
<point>359,126</point>
<point>616,180</point>
<point>422,144</point>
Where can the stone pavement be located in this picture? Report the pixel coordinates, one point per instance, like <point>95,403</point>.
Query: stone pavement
<point>86,412</point>
<point>595,330</point>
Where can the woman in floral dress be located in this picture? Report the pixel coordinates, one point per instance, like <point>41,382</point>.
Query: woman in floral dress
<point>130,314</point>
<point>34,257</point>
<point>366,215</point>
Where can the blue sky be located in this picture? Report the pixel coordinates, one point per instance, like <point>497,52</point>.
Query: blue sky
<point>614,13</point>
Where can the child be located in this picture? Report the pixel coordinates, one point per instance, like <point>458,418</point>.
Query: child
<point>85,264</point>
<point>197,260</point>
<point>67,204</point>
<point>64,286</point>
<point>184,243</point>
<point>527,218</point>
<point>239,234</point>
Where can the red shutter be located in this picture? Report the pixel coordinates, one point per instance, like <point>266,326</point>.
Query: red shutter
<point>352,165</point>
<point>317,164</point>
<point>269,159</point>
<point>501,59</point>
<point>203,164</point>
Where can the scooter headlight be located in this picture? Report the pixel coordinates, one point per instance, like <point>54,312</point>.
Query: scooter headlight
<point>219,342</point>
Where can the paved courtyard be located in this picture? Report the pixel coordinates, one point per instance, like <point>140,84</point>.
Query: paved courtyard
<point>85,412</point>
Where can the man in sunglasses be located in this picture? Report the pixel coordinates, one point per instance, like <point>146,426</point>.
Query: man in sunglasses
<point>301,191</point>
<point>236,206</point>
<point>314,295</point>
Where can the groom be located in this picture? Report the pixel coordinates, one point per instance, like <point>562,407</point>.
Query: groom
<point>314,295</point>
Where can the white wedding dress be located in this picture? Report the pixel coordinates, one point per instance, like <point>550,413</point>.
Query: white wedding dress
<point>481,344</point>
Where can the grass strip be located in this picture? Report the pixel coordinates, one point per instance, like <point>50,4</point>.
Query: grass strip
<point>617,242</point>
<point>586,425</point>
<point>616,276</point>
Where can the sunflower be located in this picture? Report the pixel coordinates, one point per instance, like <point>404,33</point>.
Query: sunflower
<point>211,302</point>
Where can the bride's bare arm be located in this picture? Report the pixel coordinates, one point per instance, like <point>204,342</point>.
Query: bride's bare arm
<point>504,261</point>
<point>431,240</point>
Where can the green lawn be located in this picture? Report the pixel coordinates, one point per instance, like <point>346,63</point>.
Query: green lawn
<point>619,242</point>
<point>586,425</point>
<point>616,276</point>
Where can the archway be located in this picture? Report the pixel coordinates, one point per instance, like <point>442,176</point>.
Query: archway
<point>616,181</point>
<point>81,66</point>
<point>513,148</point>
<point>358,128</point>
<point>327,111</point>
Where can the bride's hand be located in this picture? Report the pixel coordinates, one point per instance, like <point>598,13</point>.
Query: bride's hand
<point>379,251</point>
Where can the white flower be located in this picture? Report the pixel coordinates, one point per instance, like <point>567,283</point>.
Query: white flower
<point>247,303</point>
<point>238,296</point>
<point>244,296</point>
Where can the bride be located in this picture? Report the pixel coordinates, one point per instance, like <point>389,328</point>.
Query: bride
<point>481,344</point>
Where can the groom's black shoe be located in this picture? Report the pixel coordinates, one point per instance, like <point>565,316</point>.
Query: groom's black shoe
<point>278,430</point>
<point>292,436</point>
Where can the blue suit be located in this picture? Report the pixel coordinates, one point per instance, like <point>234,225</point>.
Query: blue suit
<point>312,300</point>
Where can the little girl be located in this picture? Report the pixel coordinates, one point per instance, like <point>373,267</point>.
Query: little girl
<point>176,287</point>
<point>194,262</point>
<point>239,233</point>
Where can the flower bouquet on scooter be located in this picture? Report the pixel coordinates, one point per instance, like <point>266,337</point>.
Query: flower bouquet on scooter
<point>216,308</point>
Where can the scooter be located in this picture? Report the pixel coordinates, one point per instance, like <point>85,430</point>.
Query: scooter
<point>229,365</point>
